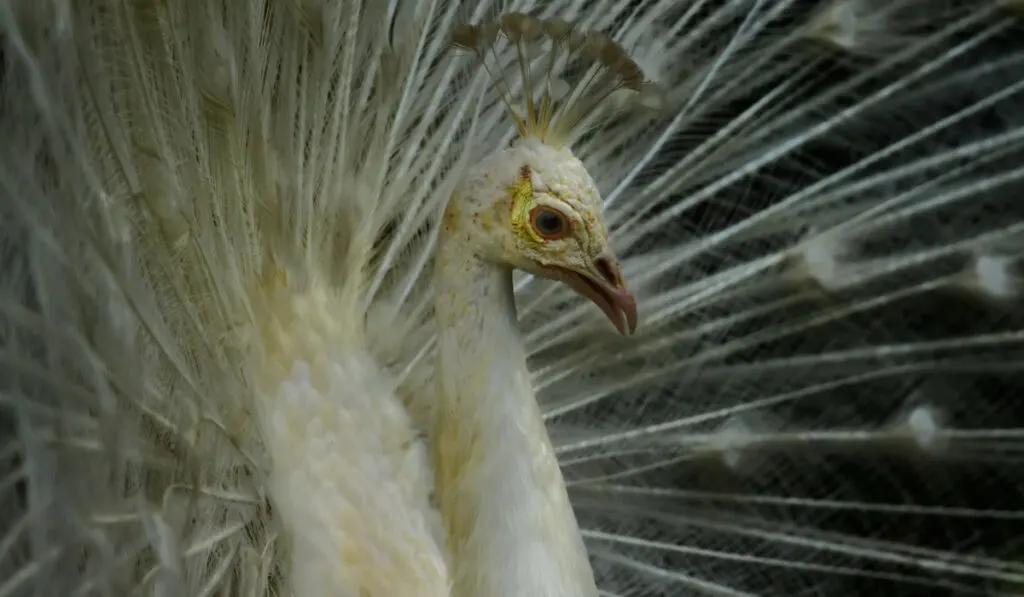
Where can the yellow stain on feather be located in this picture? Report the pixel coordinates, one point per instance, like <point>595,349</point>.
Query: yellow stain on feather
<point>294,325</point>
<point>451,214</point>
<point>457,451</point>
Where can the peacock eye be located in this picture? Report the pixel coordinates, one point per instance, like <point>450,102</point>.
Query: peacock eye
<point>548,223</point>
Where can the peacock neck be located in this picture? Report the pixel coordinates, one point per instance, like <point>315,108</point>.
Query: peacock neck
<point>510,528</point>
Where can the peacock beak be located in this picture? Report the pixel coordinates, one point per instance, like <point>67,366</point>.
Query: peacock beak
<point>602,283</point>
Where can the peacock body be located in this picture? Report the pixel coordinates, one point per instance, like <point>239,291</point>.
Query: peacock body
<point>262,333</point>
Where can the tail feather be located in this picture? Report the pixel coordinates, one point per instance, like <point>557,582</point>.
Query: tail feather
<point>819,218</point>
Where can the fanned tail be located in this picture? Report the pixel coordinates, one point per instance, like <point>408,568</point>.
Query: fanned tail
<point>819,219</point>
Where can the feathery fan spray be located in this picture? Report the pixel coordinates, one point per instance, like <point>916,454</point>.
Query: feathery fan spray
<point>290,298</point>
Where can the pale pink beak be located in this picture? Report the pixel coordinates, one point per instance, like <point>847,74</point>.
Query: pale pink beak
<point>604,286</point>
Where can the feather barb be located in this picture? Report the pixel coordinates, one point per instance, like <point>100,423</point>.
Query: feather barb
<point>544,52</point>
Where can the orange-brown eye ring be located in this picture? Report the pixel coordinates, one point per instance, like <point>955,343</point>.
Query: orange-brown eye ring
<point>548,223</point>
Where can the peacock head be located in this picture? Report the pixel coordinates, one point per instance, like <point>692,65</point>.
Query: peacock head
<point>535,207</point>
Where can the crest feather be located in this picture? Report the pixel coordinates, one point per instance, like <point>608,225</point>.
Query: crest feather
<point>543,53</point>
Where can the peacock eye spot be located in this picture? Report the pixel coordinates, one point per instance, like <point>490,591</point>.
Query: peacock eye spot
<point>548,223</point>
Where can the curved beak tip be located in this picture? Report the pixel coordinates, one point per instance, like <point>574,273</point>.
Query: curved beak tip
<point>609,293</point>
<point>617,303</point>
<point>623,312</point>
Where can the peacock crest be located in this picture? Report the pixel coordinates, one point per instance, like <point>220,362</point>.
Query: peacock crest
<point>567,74</point>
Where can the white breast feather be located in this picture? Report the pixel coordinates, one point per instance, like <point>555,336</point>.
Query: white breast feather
<point>351,479</point>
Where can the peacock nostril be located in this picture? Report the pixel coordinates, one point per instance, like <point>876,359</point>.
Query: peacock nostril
<point>609,270</point>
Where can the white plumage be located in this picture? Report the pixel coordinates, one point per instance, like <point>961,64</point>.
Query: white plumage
<point>259,335</point>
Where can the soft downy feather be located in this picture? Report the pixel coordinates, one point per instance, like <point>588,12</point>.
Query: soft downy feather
<point>819,217</point>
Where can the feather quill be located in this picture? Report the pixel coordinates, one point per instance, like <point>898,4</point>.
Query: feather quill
<point>821,223</point>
